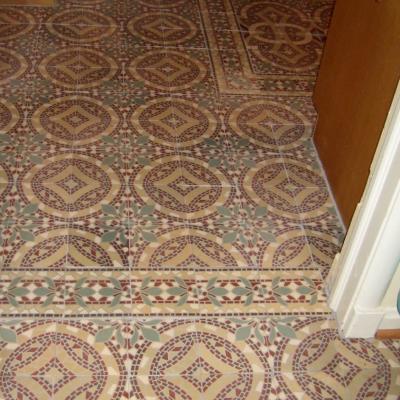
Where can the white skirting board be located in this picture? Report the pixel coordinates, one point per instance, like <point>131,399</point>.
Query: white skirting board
<point>391,320</point>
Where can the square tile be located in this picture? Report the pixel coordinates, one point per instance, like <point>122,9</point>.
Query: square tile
<point>162,348</point>
<point>306,385</point>
<point>158,294</point>
<point>96,247</point>
<point>170,251</point>
<point>40,386</point>
<point>90,348</point>
<point>231,293</point>
<point>37,246</point>
<point>26,336</point>
<point>32,293</point>
<point>95,292</point>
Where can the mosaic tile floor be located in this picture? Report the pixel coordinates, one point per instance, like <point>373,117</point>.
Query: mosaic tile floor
<point>165,228</point>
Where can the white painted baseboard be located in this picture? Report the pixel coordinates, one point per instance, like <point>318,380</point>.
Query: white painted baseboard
<point>391,319</point>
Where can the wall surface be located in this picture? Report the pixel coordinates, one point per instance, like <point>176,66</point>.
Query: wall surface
<point>358,76</point>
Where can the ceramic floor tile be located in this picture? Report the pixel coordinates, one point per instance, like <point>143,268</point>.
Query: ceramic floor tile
<point>177,122</point>
<point>81,25</point>
<point>91,386</point>
<point>167,201</point>
<point>159,120</point>
<point>196,172</point>
<point>170,250</point>
<point>168,387</point>
<point>14,16</point>
<point>162,347</point>
<point>37,246</point>
<point>60,68</point>
<point>175,71</point>
<point>11,114</point>
<point>375,384</point>
<point>22,150</point>
<point>253,228</point>
<point>96,292</point>
<point>166,293</point>
<point>210,251</point>
<point>264,340</point>
<point>287,249</point>
<point>234,385</point>
<point>94,247</point>
<point>75,120</point>
<point>41,387</point>
<point>26,346</point>
<point>165,225</point>
<point>228,345</point>
<point>36,293</point>
<point>183,189</point>
<point>308,386</point>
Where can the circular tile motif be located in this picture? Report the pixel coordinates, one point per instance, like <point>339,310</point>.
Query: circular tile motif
<point>13,65</point>
<point>290,136</point>
<point>193,249</point>
<point>208,361</point>
<point>168,70</point>
<point>311,201</point>
<point>178,29</point>
<point>9,115</point>
<point>81,25</point>
<point>289,250</point>
<point>174,122</point>
<point>167,357</point>
<point>343,366</point>
<point>323,247</point>
<point>280,36</point>
<point>303,58</point>
<point>62,67</point>
<point>267,184</point>
<point>78,68</point>
<point>15,23</point>
<point>86,249</point>
<point>303,195</point>
<point>267,123</point>
<point>71,187</point>
<point>83,367</point>
<point>75,120</point>
<point>148,26</point>
<point>302,175</point>
<point>183,188</point>
<point>47,251</point>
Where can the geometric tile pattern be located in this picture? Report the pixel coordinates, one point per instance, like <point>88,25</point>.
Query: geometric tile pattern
<point>165,227</point>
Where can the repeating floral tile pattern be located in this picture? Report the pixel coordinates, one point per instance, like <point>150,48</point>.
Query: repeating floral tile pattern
<point>165,226</point>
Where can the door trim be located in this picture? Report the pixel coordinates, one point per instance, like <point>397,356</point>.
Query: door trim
<point>362,271</point>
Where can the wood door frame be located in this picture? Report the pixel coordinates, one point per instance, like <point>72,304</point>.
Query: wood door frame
<point>362,271</point>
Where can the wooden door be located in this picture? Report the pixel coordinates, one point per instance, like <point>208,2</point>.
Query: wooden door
<point>359,72</point>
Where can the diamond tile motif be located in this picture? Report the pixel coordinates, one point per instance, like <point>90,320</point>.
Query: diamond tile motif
<point>165,229</point>
<point>201,374</point>
<point>342,370</point>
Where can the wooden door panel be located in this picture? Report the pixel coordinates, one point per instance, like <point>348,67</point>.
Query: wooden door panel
<point>359,72</point>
